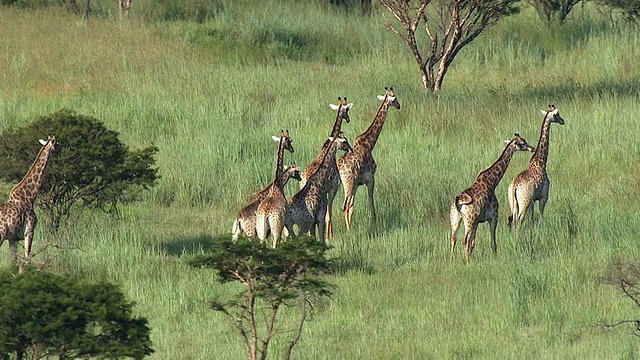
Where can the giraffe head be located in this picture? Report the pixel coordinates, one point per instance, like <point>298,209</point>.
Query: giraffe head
<point>343,107</point>
<point>51,144</point>
<point>292,171</point>
<point>390,97</point>
<point>553,115</point>
<point>341,141</point>
<point>520,143</point>
<point>284,137</point>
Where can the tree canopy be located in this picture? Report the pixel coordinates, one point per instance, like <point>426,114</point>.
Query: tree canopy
<point>91,168</point>
<point>43,314</point>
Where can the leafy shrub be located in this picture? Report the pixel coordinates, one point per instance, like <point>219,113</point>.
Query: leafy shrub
<point>43,314</point>
<point>91,167</point>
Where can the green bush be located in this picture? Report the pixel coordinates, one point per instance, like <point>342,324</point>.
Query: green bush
<point>43,314</point>
<point>91,167</point>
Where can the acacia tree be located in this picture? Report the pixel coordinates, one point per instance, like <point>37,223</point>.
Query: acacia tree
<point>272,278</point>
<point>91,168</point>
<point>449,25</point>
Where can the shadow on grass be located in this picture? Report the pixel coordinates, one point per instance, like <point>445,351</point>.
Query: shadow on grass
<point>189,245</point>
<point>570,88</point>
<point>351,262</point>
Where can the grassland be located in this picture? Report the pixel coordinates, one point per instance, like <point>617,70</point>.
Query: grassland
<point>210,95</point>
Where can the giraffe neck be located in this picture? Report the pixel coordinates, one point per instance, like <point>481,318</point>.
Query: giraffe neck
<point>277,181</point>
<point>28,188</point>
<point>335,132</point>
<point>539,157</point>
<point>369,138</point>
<point>492,175</point>
<point>328,158</point>
<point>337,125</point>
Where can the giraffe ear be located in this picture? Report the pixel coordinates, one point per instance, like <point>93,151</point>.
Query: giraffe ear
<point>331,138</point>
<point>543,112</point>
<point>348,106</point>
<point>507,141</point>
<point>275,138</point>
<point>380,97</point>
<point>43,142</point>
<point>333,106</point>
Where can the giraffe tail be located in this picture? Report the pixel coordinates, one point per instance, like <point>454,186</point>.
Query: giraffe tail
<point>462,199</point>
<point>513,203</point>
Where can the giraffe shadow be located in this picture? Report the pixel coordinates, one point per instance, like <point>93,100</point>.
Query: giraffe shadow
<point>188,245</point>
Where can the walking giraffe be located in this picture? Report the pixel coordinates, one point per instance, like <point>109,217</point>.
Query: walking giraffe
<point>17,217</point>
<point>245,221</point>
<point>333,177</point>
<point>273,212</point>
<point>532,184</point>
<point>308,207</point>
<point>478,203</point>
<point>357,167</point>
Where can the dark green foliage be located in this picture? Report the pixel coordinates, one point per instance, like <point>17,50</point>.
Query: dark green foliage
<point>553,11</point>
<point>628,10</point>
<point>43,314</point>
<point>91,167</point>
<point>288,275</point>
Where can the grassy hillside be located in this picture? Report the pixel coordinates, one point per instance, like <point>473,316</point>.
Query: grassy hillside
<point>210,94</point>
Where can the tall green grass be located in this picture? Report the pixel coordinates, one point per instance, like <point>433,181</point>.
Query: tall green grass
<point>210,94</point>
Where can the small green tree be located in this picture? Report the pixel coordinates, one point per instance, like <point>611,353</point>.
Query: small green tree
<point>43,315</point>
<point>91,167</point>
<point>272,278</point>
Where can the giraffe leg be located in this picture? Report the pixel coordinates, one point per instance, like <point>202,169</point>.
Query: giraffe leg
<point>321,222</point>
<point>544,196</point>
<point>262,227</point>
<point>372,205</point>
<point>455,217</point>
<point>331,195</point>
<point>276,230</point>
<point>524,204</point>
<point>493,223</point>
<point>30,227</point>
<point>347,207</point>
<point>236,230</point>
<point>469,237</point>
<point>13,245</point>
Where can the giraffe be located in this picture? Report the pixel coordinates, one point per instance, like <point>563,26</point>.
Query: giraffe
<point>17,218</point>
<point>532,184</point>
<point>478,203</point>
<point>308,207</point>
<point>332,174</point>
<point>245,221</point>
<point>357,167</point>
<point>273,212</point>
<point>124,6</point>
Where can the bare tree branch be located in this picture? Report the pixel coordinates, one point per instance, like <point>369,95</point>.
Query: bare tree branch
<point>449,25</point>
